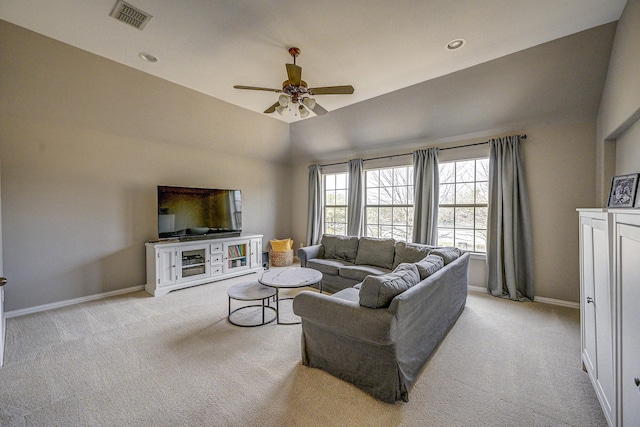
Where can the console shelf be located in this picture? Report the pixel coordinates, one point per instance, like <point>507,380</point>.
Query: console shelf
<point>177,265</point>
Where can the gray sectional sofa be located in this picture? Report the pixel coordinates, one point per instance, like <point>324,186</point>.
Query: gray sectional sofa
<point>380,333</point>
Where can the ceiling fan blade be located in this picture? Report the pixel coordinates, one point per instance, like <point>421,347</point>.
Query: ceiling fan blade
<point>271,109</point>
<point>332,90</point>
<point>257,88</point>
<point>294,72</point>
<point>319,110</point>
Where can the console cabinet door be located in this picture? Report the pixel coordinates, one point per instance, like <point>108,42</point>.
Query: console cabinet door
<point>628,281</point>
<point>256,253</point>
<point>166,265</point>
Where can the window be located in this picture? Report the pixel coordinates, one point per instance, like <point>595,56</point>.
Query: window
<point>462,212</point>
<point>389,203</point>
<point>335,203</point>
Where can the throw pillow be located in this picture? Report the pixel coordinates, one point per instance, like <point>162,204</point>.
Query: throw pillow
<point>448,254</point>
<point>410,252</point>
<point>283,245</point>
<point>379,291</point>
<point>377,252</point>
<point>429,265</point>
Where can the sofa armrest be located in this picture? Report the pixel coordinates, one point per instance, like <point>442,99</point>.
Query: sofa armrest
<point>309,252</point>
<point>345,317</point>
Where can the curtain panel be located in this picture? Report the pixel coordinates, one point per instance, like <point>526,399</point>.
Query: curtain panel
<point>314,212</point>
<point>426,188</point>
<point>509,250</point>
<point>355,211</point>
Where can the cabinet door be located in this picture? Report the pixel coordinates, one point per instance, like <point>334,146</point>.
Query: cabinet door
<point>194,263</point>
<point>256,253</point>
<point>628,240</point>
<point>166,266</point>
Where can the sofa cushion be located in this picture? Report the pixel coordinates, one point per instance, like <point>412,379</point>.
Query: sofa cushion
<point>340,247</point>
<point>359,272</point>
<point>429,265</point>
<point>448,254</point>
<point>327,266</point>
<point>410,252</point>
<point>376,252</point>
<point>379,291</point>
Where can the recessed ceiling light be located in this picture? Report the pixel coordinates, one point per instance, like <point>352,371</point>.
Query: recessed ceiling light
<point>147,57</point>
<point>456,44</point>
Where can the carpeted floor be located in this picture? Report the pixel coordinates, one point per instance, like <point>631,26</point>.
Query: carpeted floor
<point>135,360</point>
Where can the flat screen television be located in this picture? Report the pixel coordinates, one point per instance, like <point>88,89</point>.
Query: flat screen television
<point>191,213</point>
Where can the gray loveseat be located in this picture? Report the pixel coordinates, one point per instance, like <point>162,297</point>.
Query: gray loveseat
<point>379,334</point>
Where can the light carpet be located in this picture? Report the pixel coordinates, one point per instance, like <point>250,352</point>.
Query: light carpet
<point>135,360</point>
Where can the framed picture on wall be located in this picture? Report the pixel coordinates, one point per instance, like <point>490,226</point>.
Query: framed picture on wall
<point>623,191</point>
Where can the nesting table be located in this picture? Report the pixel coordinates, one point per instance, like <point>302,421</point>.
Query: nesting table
<point>288,278</point>
<point>251,291</point>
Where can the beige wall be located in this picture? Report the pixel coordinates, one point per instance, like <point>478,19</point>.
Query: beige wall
<point>560,165</point>
<point>620,105</point>
<point>84,143</point>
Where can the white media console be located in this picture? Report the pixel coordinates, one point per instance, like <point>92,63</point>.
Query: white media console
<point>175,265</point>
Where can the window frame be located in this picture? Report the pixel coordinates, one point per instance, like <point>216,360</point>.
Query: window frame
<point>475,205</point>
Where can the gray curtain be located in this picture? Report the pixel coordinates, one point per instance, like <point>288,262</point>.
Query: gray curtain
<point>355,212</point>
<point>314,214</point>
<point>509,251</point>
<point>426,189</point>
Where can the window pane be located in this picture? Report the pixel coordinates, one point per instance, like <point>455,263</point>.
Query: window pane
<point>373,177</point>
<point>482,170</point>
<point>386,197</point>
<point>482,192</point>
<point>465,194</point>
<point>341,180</point>
<point>465,171</point>
<point>341,197</point>
<point>386,216</point>
<point>340,229</point>
<point>330,198</point>
<point>445,217</point>
<point>481,240</point>
<point>410,216</point>
<point>330,182</point>
<point>400,176</point>
<point>464,239</point>
<point>447,194</point>
<point>400,216</point>
<point>447,172</point>
<point>386,231</point>
<point>372,215</point>
<point>329,215</point>
<point>464,218</point>
<point>386,177</point>
<point>400,196</point>
<point>372,231</point>
<point>372,196</point>
<point>341,215</point>
<point>400,233</point>
<point>481,218</point>
<point>445,236</point>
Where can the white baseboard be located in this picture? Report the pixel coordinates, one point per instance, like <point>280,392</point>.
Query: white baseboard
<point>543,300</point>
<point>58,304</point>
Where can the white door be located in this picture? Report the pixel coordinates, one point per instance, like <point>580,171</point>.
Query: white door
<point>629,286</point>
<point>3,321</point>
<point>166,265</point>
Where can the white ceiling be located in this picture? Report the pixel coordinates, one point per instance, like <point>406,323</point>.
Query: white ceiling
<point>378,46</point>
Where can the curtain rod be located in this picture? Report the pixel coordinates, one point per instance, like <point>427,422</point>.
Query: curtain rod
<point>408,154</point>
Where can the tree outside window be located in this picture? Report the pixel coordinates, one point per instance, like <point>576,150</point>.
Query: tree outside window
<point>389,203</point>
<point>336,197</point>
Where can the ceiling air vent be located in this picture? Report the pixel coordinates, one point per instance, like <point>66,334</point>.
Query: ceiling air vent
<point>128,14</point>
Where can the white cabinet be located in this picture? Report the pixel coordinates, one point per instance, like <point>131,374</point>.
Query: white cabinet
<point>177,265</point>
<point>610,309</point>
<point>597,307</point>
<point>627,240</point>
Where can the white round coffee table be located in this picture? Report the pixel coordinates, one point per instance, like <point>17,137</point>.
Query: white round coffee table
<point>288,278</point>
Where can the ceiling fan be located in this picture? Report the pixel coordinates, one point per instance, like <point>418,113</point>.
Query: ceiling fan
<point>296,94</point>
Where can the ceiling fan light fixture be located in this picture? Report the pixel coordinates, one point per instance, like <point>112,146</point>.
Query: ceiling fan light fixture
<point>283,100</point>
<point>310,103</point>
<point>281,109</point>
<point>303,112</point>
